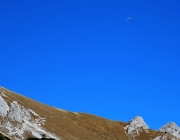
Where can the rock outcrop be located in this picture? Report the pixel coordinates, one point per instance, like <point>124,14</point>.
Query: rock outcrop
<point>17,121</point>
<point>171,128</point>
<point>23,118</point>
<point>136,126</point>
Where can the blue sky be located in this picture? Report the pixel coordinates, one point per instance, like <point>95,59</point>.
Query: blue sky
<point>84,56</point>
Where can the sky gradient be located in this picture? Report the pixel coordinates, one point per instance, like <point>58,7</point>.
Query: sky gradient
<point>84,56</point>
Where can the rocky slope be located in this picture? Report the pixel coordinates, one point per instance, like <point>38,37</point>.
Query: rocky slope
<point>22,118</point>
<point>171,128</point>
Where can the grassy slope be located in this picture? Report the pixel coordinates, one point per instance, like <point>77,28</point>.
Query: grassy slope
<point>74,126</point>
<point>70,125</point>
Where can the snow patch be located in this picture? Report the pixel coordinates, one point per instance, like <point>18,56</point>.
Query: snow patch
<point>65,111</point>
<point>76,113</point>
<point>4,95</point>
<point>34,113</point>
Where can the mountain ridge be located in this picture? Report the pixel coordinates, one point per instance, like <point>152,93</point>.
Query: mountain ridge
<point>22,117</point>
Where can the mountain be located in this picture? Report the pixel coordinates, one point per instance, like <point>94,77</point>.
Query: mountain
<point>136,126</point>
<point>172,129</point>
<point>22,118</point>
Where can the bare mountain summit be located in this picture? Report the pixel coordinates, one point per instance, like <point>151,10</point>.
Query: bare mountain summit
<point>136,126</point>
<point>22,118</point>
<point>172,129</point>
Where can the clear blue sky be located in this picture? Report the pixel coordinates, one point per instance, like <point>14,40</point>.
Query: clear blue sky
<point>84,56</point>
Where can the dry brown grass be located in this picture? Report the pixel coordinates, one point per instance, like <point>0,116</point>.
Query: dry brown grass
<point>76,126</point>
<point>153,134</point>
<point>69,125</point>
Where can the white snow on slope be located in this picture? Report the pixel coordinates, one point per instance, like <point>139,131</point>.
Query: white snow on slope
<point>136,126</point>
<point>172,129</point>
<point>18,121</point>
<point>3,94</point>
<point>34,113</point>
